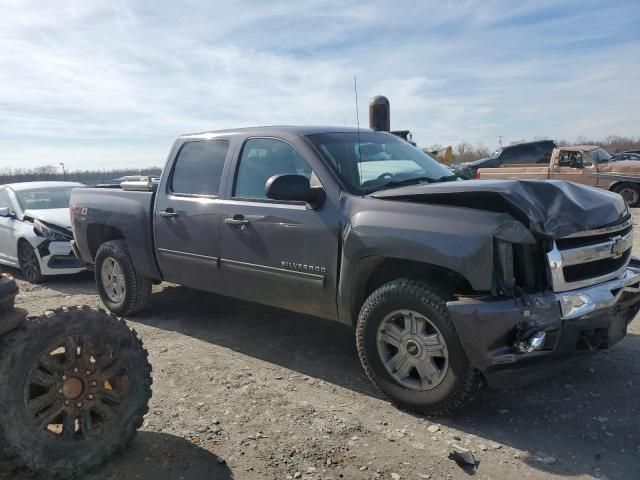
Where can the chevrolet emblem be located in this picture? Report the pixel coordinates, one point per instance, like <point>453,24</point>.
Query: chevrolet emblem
<point>619,247</point>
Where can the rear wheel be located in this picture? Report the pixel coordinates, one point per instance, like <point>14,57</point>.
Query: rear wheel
<point>630,192</point>
<point>121,289</point>
<point>74,387</point>
<point>410,349</point>
<point>29,263</point>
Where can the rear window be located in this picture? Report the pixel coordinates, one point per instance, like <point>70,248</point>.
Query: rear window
<point>198,168</point>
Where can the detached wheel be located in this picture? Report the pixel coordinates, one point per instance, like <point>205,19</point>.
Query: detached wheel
<point>29,263</point>
<point>74,387</point>
<point>409,348</point>
<point>121,289</point>
<point>630,192</point>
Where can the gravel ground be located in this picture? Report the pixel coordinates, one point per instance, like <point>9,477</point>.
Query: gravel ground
<point>247,392</point>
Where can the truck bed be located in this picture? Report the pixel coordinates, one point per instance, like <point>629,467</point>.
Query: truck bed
<point>517,172</point>
<point>124,214</point>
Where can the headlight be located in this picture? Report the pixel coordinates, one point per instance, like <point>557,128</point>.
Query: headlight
<point>50,232</point>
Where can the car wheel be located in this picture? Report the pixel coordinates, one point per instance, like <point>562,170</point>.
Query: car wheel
<point>410,349</point>
<point>121,289</point>
<point>29,263</point>
<point>629,192</point>
<point>74,387</point>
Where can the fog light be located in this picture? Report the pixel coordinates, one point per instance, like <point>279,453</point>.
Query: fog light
<point>534,342</point>
<point>575,305</point>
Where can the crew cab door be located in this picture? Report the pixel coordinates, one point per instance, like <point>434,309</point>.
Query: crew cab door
<point>573,166</point>
<point>280,253</point>
<point>187,215</point>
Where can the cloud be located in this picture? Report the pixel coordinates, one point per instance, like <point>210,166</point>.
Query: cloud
<point>111,83</point>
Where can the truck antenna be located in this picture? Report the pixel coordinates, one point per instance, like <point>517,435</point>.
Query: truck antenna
<point>355,89</point>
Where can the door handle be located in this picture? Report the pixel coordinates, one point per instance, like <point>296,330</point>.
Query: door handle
<point>169,213</point>
<point>237,220</point>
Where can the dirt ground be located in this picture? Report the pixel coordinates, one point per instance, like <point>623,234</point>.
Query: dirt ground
<point>247,392</point>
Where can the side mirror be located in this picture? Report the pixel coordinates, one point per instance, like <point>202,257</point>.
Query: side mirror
<point>294,188</point>
<point>5,212</point>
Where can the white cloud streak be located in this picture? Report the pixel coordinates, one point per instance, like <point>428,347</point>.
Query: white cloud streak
<point>106,83</point>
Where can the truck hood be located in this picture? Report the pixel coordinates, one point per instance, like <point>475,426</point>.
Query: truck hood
<point>550,208</point>
<point>56,216</point>
<point>622,166</point>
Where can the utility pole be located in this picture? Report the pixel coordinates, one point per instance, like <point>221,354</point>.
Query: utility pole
<point>64,172</point>
<point>500,140</point>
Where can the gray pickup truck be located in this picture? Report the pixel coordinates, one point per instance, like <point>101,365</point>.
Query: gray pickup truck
<point>447,282</point>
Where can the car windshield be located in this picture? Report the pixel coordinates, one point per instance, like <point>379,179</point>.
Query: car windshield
<point>371,161</point>
<point>44,198</point>
<point>600,155</point>
<point>495,154</point>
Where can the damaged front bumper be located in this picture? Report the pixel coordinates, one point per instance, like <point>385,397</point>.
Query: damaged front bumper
<point>495,331</point>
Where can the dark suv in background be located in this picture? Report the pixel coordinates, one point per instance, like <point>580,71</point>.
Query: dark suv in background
<point>530,152</point>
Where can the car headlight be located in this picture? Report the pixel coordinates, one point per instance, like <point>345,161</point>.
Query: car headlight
<point>50,232</point>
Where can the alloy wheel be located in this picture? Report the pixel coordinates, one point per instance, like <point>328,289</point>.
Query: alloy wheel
<point>113,280</point>
<point>413,350</point>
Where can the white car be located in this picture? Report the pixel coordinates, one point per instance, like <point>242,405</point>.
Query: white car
<point>35,229</point>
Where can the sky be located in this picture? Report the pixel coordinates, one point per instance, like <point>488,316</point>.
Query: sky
<point>111,83</point>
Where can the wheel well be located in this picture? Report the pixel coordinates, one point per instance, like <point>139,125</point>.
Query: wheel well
<point>373,272</point>
<point>97,234</point>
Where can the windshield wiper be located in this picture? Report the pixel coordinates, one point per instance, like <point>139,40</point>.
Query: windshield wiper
<point>403,183</point>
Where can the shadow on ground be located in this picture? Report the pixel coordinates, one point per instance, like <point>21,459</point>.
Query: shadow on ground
<point>78,284</point>
<point>150,456</point>
<point>587,419</point>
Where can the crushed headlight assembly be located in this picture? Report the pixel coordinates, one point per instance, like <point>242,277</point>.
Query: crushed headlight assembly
<point>50,232</point>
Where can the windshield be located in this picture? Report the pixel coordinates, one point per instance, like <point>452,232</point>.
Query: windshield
<point>495,154</point>
<point>600,155</point>
<point>372,161</point>
<point>44,198</point>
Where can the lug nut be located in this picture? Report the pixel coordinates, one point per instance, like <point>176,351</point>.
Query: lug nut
<point>64,377</point>
<point>60,391</point>
<point>90,396</point>
<point>76,370</point>
<point>94,383</point>
<point>66,402</point>
<point>79,404</point>
<point>88,372</point>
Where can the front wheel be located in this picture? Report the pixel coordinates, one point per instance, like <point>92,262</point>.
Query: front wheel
<point>29,263</point>
<point>121,288</point>
<point>410,349</point>
<point>74,387</point>
<point>630,192</point>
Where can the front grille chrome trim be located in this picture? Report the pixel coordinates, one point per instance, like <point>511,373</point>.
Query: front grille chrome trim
<point>615,247</point>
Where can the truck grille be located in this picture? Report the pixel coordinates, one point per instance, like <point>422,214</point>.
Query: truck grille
<point>588,258</point>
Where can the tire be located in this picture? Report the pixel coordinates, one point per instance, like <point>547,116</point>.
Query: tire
<point>630,192</point>
<point>433,342</point>
<point>29,263</point>
<point>55,419</point>
<point>131,293</point>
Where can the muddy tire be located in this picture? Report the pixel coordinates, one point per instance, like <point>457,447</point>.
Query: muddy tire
<point>29,264</point>
<point>60,412</point>
<point>410,349</point>
<point>121,289</point>
<point>630,192</point>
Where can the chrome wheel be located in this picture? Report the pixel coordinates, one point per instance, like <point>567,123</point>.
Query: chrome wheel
<point>413,350</point>
<point>113,280</point>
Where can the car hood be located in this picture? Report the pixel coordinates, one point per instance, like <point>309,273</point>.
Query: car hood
<point>620,166</point>
<point>56,216</point>
<point>550,208</point>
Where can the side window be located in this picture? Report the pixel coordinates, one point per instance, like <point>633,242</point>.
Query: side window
<point>525,154</point>
<point>509,154</point>
<point>198,168</point>
<point>263,158</point>
<point>564,160</point>
<point>5,201</point>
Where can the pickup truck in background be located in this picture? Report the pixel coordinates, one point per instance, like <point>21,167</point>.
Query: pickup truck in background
<point>447,282</point>
<point>587,164</point>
